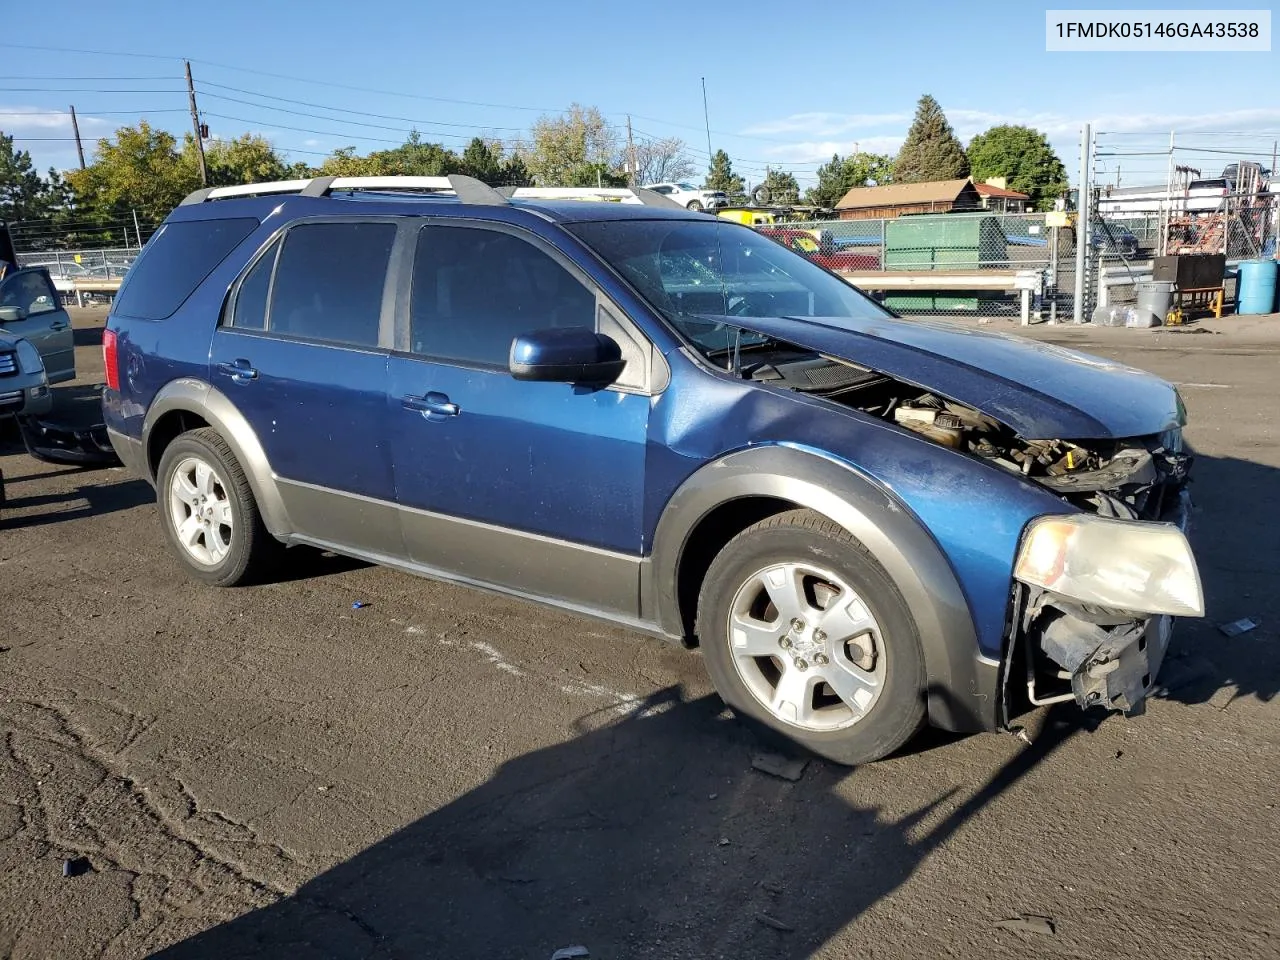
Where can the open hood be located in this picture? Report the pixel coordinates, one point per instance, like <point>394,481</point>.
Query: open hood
<point>1038,390</point>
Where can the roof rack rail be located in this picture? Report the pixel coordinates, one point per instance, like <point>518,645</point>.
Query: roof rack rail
<point>466,189</point>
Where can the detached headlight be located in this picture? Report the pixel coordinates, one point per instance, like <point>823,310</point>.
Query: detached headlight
<point>29,357</point>
<point>1122,564</point>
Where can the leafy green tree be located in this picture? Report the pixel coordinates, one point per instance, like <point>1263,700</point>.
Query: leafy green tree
<point>593,175</point>
<point>781,186</point>
<point>417,158</point>
<point>567,149</point>
<point>246,159</point>
<point>931,150</point>
<point>140,170</point>
<point>842,174</point>
<point>720,175</point>
<point>1024,158</point>
<point>515,173</point>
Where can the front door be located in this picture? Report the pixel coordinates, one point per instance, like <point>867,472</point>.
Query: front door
<point>40,318</point>
<point>302,354</point>
<point>535,487</point>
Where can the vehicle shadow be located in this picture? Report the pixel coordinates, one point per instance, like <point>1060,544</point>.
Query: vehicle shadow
<point>1236,537</point>
<point>647,837</point>
<point>95,499</point>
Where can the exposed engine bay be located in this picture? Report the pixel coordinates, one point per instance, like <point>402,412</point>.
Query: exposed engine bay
<point>1060,649</point>
<point>1128,479</point>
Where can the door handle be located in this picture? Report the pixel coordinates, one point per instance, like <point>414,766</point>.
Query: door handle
<point>433,406</point>
<point>58,325</point>
<point>238,370</point>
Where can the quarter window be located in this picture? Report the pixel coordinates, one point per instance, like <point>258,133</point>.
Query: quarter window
<point>475,290</point>
<point>251,300</point>
<point>329,282</point>
<point>31,291</point>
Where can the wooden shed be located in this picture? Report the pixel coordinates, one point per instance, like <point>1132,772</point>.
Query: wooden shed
<point>897,199</point>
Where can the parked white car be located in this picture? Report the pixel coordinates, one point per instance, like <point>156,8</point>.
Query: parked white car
<point>687,195</point>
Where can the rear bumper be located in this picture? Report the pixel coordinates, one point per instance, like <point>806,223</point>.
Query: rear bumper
<point>57,443</point>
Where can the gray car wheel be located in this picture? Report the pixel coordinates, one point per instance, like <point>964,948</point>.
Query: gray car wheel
<point>804,634</point>
<point>209,514</point>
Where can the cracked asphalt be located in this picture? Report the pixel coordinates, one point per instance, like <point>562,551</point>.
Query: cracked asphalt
<point>268,772</point>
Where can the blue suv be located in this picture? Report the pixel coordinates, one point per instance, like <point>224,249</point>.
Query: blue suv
<point>601,401</point>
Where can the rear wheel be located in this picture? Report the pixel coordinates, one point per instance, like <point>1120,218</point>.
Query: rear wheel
<point>804,633</point>
<point>209,514</point>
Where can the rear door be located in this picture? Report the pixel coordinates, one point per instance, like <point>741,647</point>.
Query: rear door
<point>302,354</point>
<point>42,320</point>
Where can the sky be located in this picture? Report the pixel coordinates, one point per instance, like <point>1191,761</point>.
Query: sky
<point>787,85</point>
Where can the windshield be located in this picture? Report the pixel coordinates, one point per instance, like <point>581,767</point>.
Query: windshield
<point>701,274</point>
<point>686,186</point>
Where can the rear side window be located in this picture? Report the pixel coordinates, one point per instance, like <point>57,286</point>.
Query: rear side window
<point>251,299</point>
<point>175,262</point>
<point>329,282</point>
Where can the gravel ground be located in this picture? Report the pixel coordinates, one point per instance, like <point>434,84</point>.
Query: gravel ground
<point>268,772</point>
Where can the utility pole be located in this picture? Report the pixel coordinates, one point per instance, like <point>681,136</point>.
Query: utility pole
<point>1083,209</point>
<point>75,129</point>
<point>706,117</point>
<point>195,125</point>
<point>632,176</point>
<point>137,231</point>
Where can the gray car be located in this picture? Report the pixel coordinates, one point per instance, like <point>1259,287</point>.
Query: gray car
<point>24,388</point>
<point>30,308</point>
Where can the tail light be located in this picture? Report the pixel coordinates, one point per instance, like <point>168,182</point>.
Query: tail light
<point>110,359</point>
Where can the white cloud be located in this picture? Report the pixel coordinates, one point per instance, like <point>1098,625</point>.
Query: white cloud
<point>41,121</point>
<point>826,124</point>
<point>311,142</point>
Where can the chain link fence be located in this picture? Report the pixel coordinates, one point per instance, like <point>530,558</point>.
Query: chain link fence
<point>986,264</point>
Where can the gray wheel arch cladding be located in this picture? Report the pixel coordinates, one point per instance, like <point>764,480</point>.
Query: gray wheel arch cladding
<point>196,397</point>
<point>962,685</point>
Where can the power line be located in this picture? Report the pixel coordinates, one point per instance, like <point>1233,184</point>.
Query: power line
<point>64,113</point>
<point>306,103</point>
<point>356,123</point>
<point>78,90</point>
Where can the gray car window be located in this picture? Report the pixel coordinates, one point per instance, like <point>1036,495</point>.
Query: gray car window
<point>32,292</point>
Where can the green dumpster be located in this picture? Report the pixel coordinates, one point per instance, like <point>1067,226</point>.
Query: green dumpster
<point>945,241</point>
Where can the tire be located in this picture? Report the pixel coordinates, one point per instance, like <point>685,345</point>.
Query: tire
<point>234,547</point>
<point>695,205</point>
<point>873,654</point>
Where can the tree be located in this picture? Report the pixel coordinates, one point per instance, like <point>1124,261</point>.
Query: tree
<point>664,159</point>
<point>571,148</point>
<point>24,195</point>
<point>720,175</point>
<point>141,171</point>
<point>1024,158</point>
<point>841,175</point>
<point>780,186</point>
<point>246,159</point>
<point>417,158</point>
<point>931,150</point>
<point>489,162</point>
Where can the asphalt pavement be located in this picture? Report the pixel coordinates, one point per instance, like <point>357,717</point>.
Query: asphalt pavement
<point>268,772</point>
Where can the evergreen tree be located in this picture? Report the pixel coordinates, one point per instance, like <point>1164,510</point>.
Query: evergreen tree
<point>720,175</point>
<point>931,151</point>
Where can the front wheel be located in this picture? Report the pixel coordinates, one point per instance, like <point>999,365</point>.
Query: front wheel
<point>804,633</point>
<point>208,511</point>
<point>694,205</point>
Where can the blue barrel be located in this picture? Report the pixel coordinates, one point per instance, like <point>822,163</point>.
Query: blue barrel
<point>1256,291</point>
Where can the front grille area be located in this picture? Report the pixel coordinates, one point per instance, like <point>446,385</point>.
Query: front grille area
<point>8,364</point>
<point>11,398</point>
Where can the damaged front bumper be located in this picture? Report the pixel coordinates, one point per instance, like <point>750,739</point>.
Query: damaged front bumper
<point>58,443</point>
<point>1109,659</point>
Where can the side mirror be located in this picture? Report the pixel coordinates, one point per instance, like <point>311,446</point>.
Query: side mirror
<point>566,355</point>
<point>12,314</point>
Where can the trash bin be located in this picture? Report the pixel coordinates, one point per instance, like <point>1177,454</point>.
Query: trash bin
<point>1256,288</point>
<point>1154,297</point>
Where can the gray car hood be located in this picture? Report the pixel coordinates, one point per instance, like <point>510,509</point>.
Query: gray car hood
<point>1039,390</point>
